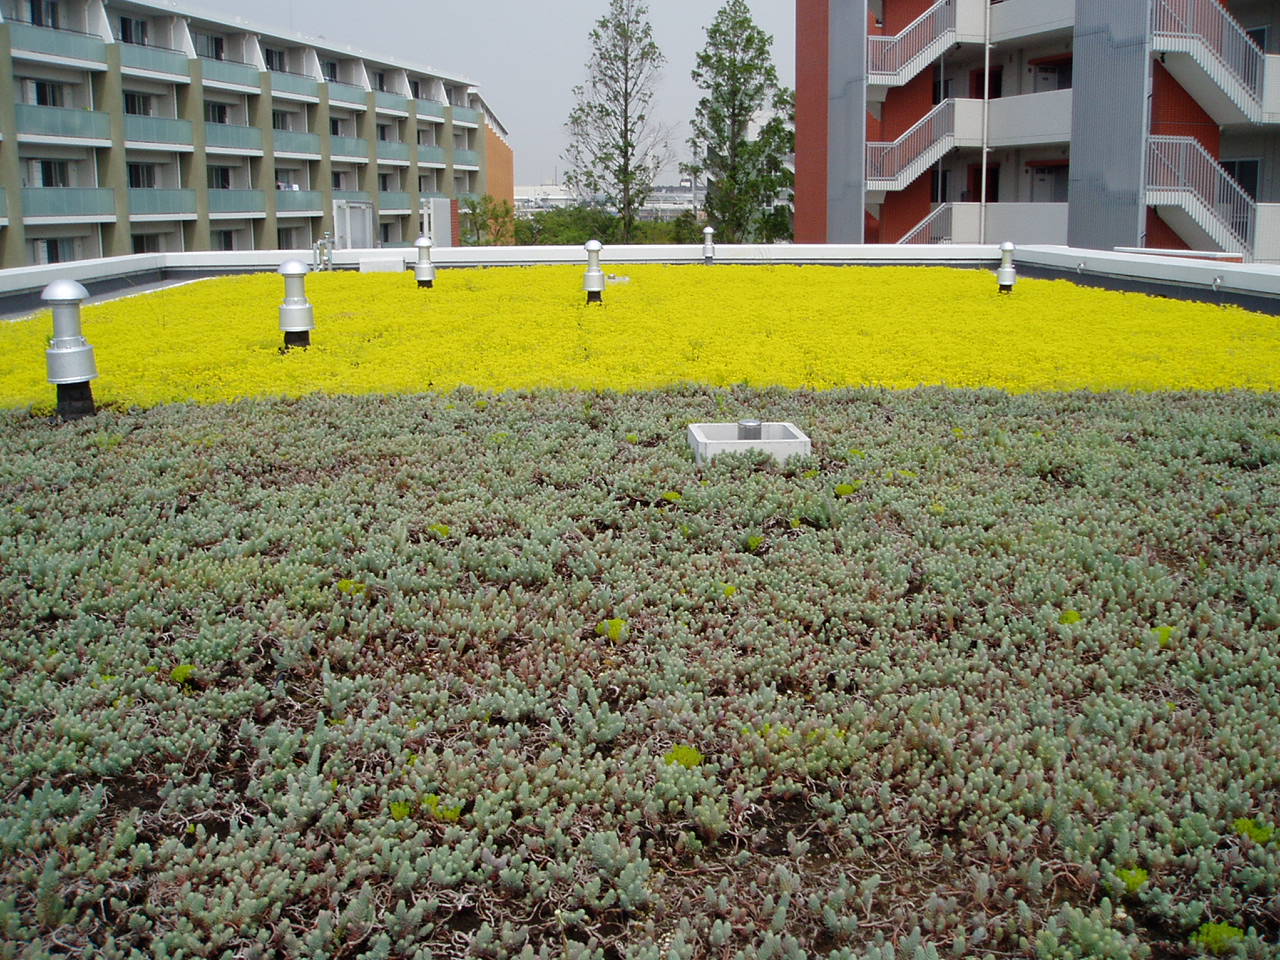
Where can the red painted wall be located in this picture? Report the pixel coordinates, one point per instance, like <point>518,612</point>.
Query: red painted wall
<point>903,209</point>
<point>898,14</point>
<point>906,105</point>
<point>1161,236</point>
<point>1175,113</point>
<point>812,56</point>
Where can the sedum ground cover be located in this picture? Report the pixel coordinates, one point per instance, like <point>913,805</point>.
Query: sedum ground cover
<point>504,675</point>
<point>527,328</point>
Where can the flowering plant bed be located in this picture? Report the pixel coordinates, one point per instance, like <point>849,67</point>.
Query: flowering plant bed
<point>505,675</point>
<point>528,328</point>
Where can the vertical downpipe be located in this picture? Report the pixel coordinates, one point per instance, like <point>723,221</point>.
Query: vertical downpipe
<point>986,116</point>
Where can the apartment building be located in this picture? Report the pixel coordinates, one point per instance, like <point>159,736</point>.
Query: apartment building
<point>1147,123</point>
<point>130,127</point>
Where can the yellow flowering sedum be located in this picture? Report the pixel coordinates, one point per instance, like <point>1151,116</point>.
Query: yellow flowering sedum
<point>522,328</point>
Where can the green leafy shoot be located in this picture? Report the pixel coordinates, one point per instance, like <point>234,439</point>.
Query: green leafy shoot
<point>352,587</point>
<point>633,438</point>
<point>753,542</point>
<point>1162,635</point>
<point>1255,830</point>
<point>400,810</point>
<point>847,489</point>
<point>440,529</point>
<point>1134,879</point>
<point>685,755</point>
<point>1069,617</point>
<point>672,496</point>
<point>613,629</point>
<point>730,589</point>
<point>1217,938</point>
<point>182,673</point>
<point>431,803</point>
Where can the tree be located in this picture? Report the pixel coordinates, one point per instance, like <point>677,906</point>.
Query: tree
<point>566,225</point>
<point>749,185</point>
<point>615,149</point>
<point>487,220</point>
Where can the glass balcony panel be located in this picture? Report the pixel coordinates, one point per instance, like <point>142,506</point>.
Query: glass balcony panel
<point>154,58</point>
<point>394,200</point>
<point>392,101</point>
<point>292,201</point>
<point>67,201</point>
<point>63,122</point>
<point>172,202</point>
<point>157,129</point>
<point>466,115</point>
<point>289,141</point>
<point>345,93</point>
<point>357,195</point>
<point>393,150</point>
<point>57,43</point>
<point>431,155</point>
<point>232,136</point>
<point>236,201</point>
<point>293,83</point>
<point>431,108</point>
<point>468,157</point>
<point>228,71</point>
<point>4,205</point>
<point>349,147</point>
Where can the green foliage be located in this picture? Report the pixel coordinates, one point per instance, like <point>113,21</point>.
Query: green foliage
<point>567,226</point>
<point>1255,830</point>
<point>847,489</point>
<point>1134,879</point>
<point>485,221</point>
<point>743,131</point>
<point>614,629</point>
<point>1068,617</point>
<point>1162,635</point>
<point>439,529</point>
<point>400,810</point>
<point>684,755</point>
<point>182,673</point>
<point>352,587</point>
<point>673,496</point>
<point>615,148</point>
<point>431,803</point>
<point>1217,938</point>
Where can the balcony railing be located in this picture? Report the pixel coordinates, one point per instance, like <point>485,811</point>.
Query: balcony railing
<point>391,101</point>
<point>1211,24</point>
<point>67,202</point>
<point>291,141</point>
<point>146,201</point>
<point>356,196</point>
<point>4,205</point>
<point>935,228</point>
<point>296,201</point>
<point>57,42</point>
<point>356,147</point>
<point>63,122</point>
<point>431,108</point>
<point>890,55</point>
<point>887,161</point>
<point>237,201</point>
<point>294,83</point>
<point>158,59</point>
<point>157,129</point>
<point>345,93</point>
<point>233,136</point>
<point>431,155</point>
<point>394,200</point>
<point>466,115</point>
<point>468,158</point>
<point>392,150</point>
<point>1181,165</point>
<point>230,71</point>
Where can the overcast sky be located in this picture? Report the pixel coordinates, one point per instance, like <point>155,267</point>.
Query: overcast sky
<point>524,55</point>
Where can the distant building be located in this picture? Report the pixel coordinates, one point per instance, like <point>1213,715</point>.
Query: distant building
<point>665,203</point>
<point>1142,123</point>
<point>130,126</point>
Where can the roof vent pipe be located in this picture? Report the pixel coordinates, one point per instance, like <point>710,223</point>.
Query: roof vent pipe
<point>69,359</point>
<point>593,282</point>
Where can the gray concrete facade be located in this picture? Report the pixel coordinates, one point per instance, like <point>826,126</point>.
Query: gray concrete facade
<point>847,124</point>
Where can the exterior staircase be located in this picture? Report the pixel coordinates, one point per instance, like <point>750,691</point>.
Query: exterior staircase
<point>1197,198</point>
<point>1212,57</point>
<point>895,165</point>
<point>935,228</point>
<point>893,61</point>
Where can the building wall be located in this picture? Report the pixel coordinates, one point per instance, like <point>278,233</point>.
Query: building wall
<point>846,121</point>
<point>500,162</point>
<point>1175,113</point>
<point>812,46</point>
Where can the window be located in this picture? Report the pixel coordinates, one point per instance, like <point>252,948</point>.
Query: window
<point>1245,173</point>
<point>335,126</point>
<point>215,112</point>
<point>280,120</point>
<point>429,182</point>
<point>44,13</point>
<point>208,46</point>
<point>1259,36</point>
<point>338,180</point>
<point>146,243</point>
<point>137,104</point>
<point>219,178</point>
<point>142,176</point>
<point>284,238</point>
<point>379,80</point>
<point>133,30</point>
<point>384,131</point>
<point>415,87</point>
<point>427,136</point>
<point>286,179</point>
<point>275,59</point>
<point>330,70</point>
<point>53,250</point>
<point>44,93</point>
<point>384,182</point>
<point>222,239</point>
<point>48,173</point>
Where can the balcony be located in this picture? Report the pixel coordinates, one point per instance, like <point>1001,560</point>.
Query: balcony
<point>1029,119</point>
<point>1022,223</point>
<point>145,202</point>
<point>353,196</point>
<point>233,138</point>
<point>4,208</point>
<point>1211,56</point>
<point>154,59</point>
<point>393,150</point>
<point>56,43</point>
<point>81,203</point>
<point>432,155</point>
<point>345,93</point>
<point>356,148</point>
<point>157,130</point>
<point>237,201</point>
<point>466,115</point>
<point>295,83</point>
<point>299,201</point>
<point>431,109</point>
<point>466,158</point>
<point>291,141</point>
<point>229,71</point>
<point>1197,197</point>
<point>67,122</point>
<point>390,201</point>
<point>1026,19</point>
<point>385,100</point>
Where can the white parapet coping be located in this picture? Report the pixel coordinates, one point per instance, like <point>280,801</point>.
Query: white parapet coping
<point>1247,279</point>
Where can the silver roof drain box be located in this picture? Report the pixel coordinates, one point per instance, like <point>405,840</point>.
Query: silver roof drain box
<point>779,440</point>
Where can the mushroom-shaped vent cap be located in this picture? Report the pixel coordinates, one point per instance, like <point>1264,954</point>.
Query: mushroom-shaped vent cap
<point>422,242</point>
<point>292,268</point>
<point>64,291</point>
<point>594,245</point>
